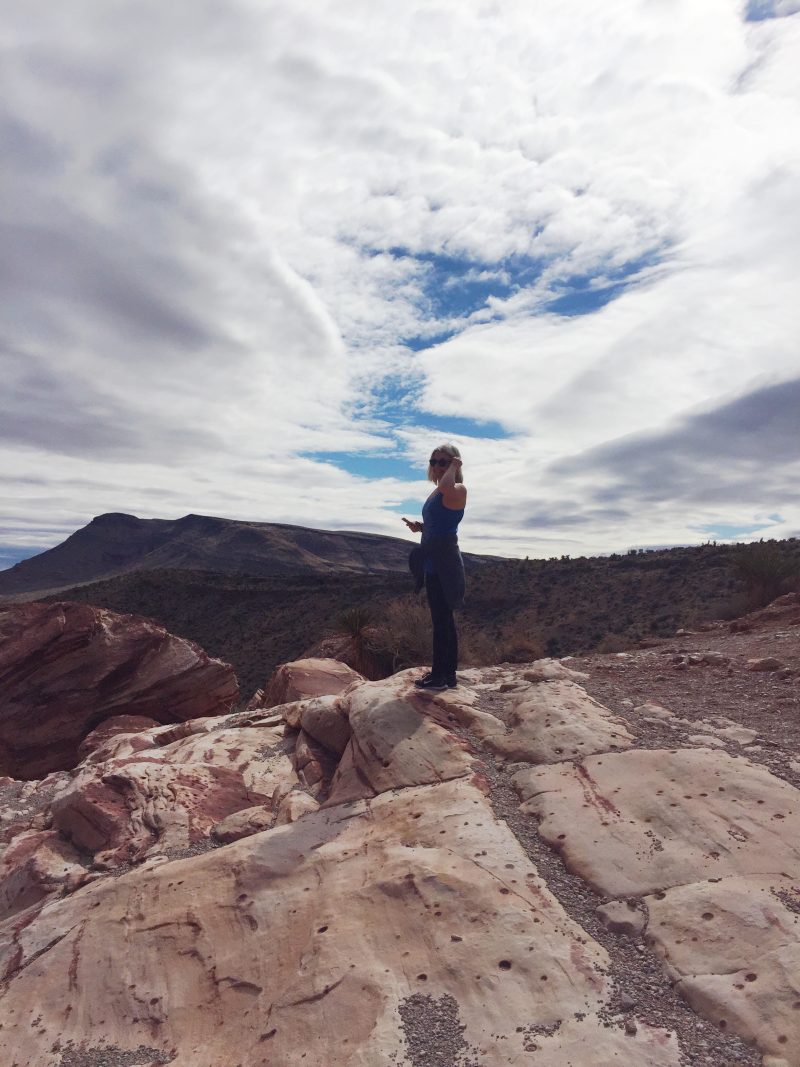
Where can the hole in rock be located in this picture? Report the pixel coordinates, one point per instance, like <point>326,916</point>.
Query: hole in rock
<point>750,977</point>
<point>504,965</point>
<point>422,978</point>
<point>707,915</point>
<point>782,1039</point>
<point>322,929</point>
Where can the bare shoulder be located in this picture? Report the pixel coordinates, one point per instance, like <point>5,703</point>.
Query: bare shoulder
<point>455,497</point>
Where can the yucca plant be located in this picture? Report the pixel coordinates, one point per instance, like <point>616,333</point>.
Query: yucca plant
<point>356,623</point>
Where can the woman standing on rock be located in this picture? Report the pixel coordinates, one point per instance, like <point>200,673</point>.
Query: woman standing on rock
<point>437,562</point>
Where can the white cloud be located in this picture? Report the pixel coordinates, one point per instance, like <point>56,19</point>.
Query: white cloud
<point>201,211</point>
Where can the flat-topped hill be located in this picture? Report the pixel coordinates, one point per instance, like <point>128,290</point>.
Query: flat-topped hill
<point>115,544</point>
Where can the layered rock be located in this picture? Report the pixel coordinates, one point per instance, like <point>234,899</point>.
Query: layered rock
<point>67,668</point>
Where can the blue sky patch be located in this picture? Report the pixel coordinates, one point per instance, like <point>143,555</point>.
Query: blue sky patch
<point>457,286</point>
<point>455,426</point>
<point>11,554</point>
<point>759,10</point>
<point>585,293</point>
<point>371,466</point>
<point>722,531</point>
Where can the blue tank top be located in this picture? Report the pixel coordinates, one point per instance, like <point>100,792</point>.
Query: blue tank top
<point>438,521</point>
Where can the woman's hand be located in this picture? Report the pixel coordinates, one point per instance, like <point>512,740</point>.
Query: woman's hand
<point>414,527</point>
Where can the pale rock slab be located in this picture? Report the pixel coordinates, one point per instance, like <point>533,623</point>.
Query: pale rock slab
<point>235,955</point>
<point>399,738</point>
<point>294,806</point>
<point>733,948</point>
<point>635,822</point>
<point>304,678</point>
<point>557,721</point>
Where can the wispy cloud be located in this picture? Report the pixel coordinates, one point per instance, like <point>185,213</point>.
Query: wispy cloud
<point>246,251</point>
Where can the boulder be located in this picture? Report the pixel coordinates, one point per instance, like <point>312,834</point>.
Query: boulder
<point>243,823</point>
<point>307,678</point>
<point>622,917</point>
<point>314,764</point>
<point>765,663</point>
<point>399,738</point>
<point>66,668</point>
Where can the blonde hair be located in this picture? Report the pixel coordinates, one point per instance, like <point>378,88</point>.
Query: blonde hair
<point>449,450</point>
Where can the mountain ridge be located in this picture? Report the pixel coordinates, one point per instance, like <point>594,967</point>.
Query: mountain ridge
<point>116,543</point>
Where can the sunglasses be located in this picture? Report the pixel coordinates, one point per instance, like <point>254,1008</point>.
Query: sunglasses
<point>439,462</point>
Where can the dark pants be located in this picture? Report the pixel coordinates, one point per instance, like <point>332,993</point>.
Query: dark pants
<point>445,638</point>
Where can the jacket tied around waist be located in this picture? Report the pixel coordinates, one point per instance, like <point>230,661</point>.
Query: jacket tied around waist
<point>445,554</point>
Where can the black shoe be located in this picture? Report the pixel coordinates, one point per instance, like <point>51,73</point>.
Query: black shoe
<point>431,684</point>
<point>452,682</point>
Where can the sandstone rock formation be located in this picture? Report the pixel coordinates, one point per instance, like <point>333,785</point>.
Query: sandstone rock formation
<point>337,880</point>
<point>307,678</point>
<point>67,668</point>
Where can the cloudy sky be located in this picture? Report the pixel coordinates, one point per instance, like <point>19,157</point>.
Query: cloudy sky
<point>259,256</point>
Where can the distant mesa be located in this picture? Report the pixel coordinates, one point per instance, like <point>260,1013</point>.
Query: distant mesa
<point>116,543</point>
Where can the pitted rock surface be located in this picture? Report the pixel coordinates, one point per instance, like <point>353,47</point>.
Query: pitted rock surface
<point>550,723</point>
<point>733,947</point>
<point>634,822</point>
<point>424,891</point>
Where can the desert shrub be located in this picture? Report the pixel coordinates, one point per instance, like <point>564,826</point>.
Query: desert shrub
<point>614,643</point>
<point>766,571</point>
<point>476,648</point>
<point>519,648</point>
<point>403,636</point>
